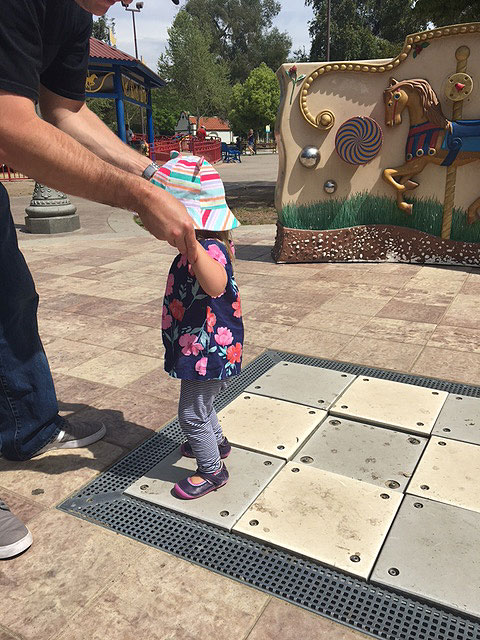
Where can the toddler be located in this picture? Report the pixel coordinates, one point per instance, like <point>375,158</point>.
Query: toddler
<point>202,326</point>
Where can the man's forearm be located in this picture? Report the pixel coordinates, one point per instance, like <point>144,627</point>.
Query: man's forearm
<point>80,123</point>
<point>54,158</point>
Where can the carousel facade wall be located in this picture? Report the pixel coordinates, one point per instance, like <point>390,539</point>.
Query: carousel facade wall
<point>378,159</point>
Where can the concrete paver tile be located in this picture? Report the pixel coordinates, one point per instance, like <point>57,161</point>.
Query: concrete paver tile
<point>398,356</point>
<point>64,355</point>
<point>320,344</point>
<point>263,334</point>
<point>346,303</point>
<point>459,366</point>
<point>156,383</point>
<point>24,508</point>
<point>430,296</point>
<point>54,475</point>
<point>333,321</point>
<point>74,394</point>
<point>116,368</point>
<point>130,417</point>
<point>277,313</point>
<point>144,341</point>
<point>283,620</point>
<point>418,312</point>
<point>159,597</point>
<point>456,338</point>
<point>397,330</point>
<point>463,312</point>
<point>69,562</point>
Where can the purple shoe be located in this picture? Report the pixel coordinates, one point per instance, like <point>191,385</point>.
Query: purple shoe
<point>212,481</point>
<point>224,449</point>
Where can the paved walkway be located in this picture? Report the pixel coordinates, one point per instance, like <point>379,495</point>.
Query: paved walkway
<point>101,293</point>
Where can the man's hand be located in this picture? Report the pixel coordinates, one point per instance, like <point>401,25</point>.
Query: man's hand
<point>167,219</point>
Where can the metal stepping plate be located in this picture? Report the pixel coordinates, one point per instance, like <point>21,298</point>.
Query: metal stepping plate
<point>300,383</point>
<point>391,404</point>
<point>449,472</point>
<point>432,552</point>
<point>327,517</point>
<point>459,419</point>
<point>275,427</point>
<point>249,473</point>
<point>364,452</point>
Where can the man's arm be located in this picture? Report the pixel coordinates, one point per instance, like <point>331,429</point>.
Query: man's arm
<point>76,119</point>
<point>43,152</point>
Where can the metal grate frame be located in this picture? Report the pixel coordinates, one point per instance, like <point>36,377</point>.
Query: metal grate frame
<point>373,610</point>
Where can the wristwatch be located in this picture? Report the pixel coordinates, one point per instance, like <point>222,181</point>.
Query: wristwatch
<point>150,170</point>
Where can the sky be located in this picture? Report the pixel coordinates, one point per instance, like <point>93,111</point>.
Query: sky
<point>157,15</point>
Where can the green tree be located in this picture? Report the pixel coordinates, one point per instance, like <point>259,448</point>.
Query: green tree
<point>242,33</point>
<point>254,103</point>
<point>105,110</point>
<point>198,77</point>
<point>101,28</point>
<point>167,107</point>
<point>442,13</point>
<point>362,29</point>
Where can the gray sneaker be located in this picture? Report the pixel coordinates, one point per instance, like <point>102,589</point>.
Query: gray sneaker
<point>74,436</point>
<point>14,535</point>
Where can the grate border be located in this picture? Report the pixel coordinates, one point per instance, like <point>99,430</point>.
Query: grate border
<point>376,611</point>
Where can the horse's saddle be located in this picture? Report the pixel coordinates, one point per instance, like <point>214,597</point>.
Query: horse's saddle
<point>465,136</point>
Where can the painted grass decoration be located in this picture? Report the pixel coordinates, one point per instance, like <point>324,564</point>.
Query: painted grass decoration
<point>363,208</point>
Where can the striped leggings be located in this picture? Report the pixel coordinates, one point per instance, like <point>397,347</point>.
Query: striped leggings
<point>199,421</point>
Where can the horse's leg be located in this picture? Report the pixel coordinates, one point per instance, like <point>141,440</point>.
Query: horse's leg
<point>405,172</point>
<point>473,211</point>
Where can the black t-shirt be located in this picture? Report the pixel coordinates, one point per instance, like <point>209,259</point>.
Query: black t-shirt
<point>44,42</point>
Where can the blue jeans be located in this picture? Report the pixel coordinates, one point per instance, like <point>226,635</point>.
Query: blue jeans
<point>28,404</point>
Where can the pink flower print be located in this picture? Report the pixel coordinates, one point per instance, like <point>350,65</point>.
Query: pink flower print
<point>201,366</point>
<point>189,344</point>
<point>177,310</point>
<point>166,319</point>
<point>217,254</point>
<point>170,283</point>
<point>237,305</point>
<point>211,320</point>
<point>183,261</point>
<point>223,336</point>
<point>234,353</point>
<point>232,248</point>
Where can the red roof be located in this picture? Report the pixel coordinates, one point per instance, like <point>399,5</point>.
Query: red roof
<point>212,124</point>
<point>99,49</point>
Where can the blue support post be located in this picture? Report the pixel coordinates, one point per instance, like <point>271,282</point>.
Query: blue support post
<point>119,105</point>
<point>150,131</point>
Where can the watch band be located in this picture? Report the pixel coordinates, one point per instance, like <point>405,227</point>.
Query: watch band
<point>150,170</point>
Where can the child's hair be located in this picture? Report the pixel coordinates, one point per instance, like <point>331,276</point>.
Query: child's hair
<point>223,236</point>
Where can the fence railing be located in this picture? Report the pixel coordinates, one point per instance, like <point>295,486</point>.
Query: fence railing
<point>210,149</point>
<point>10,175</point>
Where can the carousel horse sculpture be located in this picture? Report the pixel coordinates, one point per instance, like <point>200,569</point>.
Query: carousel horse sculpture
<point>432,137</point>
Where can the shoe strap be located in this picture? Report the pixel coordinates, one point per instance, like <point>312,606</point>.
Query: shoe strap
<point>212,478</point>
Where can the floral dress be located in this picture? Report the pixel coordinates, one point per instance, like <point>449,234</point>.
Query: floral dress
<point>203,336</point>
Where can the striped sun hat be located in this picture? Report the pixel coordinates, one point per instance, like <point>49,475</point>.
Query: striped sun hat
<point>198,186</point>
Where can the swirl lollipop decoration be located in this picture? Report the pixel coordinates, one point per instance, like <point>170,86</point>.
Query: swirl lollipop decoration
<point>359,140</point>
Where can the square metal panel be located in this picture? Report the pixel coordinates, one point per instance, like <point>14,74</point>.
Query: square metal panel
<point>275,427</point>
<point>391,404</point>
<point>300,383</point>
<point>459,419</point>
<point>249,473</point>
<point>335,520</point>
<point>432,552</point>
<point>383,457</point>
<point>449,472</point>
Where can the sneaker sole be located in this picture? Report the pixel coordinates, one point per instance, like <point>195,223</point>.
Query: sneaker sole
<point>12,550</point>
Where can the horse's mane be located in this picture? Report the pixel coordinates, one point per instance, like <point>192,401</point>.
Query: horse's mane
<point>430,104</point>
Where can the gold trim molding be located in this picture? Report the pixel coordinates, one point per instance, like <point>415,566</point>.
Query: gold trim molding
<point>348,67</point>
